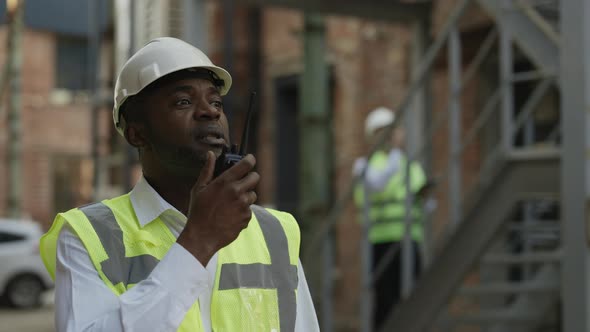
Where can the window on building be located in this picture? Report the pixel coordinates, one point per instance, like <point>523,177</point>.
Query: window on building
<point>72,68</point>
<point>287,144</point>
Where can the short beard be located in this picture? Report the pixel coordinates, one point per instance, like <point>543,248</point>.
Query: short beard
<point>182,161</point>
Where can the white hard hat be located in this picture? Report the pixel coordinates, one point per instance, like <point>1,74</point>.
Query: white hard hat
<point>378,118</point>
<point>158,58</point>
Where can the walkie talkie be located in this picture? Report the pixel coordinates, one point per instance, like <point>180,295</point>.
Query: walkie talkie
<point>229,158</point>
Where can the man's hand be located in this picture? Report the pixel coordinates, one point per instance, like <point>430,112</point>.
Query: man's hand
<point>219,208</point>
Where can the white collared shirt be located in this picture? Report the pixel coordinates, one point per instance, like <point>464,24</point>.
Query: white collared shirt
<point>159,303</point>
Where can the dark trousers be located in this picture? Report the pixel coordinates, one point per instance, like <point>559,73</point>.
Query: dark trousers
<point>387,290</point>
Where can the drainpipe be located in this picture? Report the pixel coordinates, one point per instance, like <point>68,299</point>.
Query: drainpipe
<point>15,11</point>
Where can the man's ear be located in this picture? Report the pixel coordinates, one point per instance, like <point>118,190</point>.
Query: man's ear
<point>135,135</point>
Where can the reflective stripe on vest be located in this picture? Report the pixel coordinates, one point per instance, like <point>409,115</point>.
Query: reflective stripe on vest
<point>280,274</point>
<point>118,268</point>
<point>393,210</point>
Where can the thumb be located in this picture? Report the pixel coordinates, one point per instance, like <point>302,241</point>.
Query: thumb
<point>206,174</point>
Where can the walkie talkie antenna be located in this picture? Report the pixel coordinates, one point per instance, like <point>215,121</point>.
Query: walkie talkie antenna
<point>245,133</point>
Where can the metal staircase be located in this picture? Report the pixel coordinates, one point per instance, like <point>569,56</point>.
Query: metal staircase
<point>519,177</point>
<point>498,270</point>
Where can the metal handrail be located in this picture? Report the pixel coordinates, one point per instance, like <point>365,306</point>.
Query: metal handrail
<point>481,120</point>
<point>480,56</point>
<point>533,101</point>
<point>538,20</point>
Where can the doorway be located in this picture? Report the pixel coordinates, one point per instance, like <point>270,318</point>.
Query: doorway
<point>287,144</point>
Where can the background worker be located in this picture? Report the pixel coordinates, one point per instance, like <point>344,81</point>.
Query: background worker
<point>384,182</point>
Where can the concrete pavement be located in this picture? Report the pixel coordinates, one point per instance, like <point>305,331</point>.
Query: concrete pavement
<point>37,320</point>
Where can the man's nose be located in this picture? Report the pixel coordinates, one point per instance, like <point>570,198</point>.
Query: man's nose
<point>206,111</point>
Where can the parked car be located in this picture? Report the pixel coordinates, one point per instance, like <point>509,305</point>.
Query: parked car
<point>23,277</point>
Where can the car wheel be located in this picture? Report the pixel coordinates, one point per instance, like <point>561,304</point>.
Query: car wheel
<point>24,292</point>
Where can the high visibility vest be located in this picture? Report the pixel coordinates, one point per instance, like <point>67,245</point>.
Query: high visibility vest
<point>256,279</point>
<point>387,208</point>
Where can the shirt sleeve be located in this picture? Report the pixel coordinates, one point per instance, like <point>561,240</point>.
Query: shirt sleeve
<point>377,179</point>
<point>359,166</point>
<point>306,320</point>
<point>83,302</point>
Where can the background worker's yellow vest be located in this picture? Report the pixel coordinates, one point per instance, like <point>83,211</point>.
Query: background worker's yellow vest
<point>387,209</point>
<point>256,278</point>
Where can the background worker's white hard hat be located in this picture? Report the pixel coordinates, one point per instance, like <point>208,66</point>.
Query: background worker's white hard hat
<point>378,118</point>
<point>158,58</point>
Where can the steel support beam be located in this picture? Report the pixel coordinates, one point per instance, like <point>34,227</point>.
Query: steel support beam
<point>540,48</point>
<point>413,129</point>
<point>194,22</point>
<point>454,59</point>
<point>229,13</point>
<point>506,72</point>
<point>368,279</point>
<point>421,108</point>
<point>575,173</point>
<point>94,15</point>
<point>419,119</point>
<point>372,9</point>
<point>127,150</point>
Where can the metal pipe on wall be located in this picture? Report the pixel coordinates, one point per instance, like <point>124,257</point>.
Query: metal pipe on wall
<point>14,67</point>
<point>506,73</point>
<point>228,54</point>
<point>254,62</point>
<point>128,150</point>
<point>455,128</point>
<point>316,152</point>
<point>94,15</point>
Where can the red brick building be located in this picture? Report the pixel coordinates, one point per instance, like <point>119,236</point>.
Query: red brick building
<point>56,141</point>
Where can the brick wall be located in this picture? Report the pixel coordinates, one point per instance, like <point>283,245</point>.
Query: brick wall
<point>49,130</point>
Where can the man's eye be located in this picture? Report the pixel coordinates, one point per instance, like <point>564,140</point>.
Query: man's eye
<point>217,104</point>
<point>183,102</point>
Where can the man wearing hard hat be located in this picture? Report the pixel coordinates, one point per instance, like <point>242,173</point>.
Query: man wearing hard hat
<point>184,250</point>
<point>384,183</point>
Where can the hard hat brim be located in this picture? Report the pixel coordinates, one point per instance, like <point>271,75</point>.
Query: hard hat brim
<point>221,73</point>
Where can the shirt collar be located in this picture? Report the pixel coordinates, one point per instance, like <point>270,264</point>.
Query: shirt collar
<point>148,204</point>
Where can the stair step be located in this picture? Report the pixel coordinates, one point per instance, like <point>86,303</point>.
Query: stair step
<point>554,256</point>
<point>508,288</point>
<point>540,196</point>
<point>531,76</point>
<point>486,317</point>
<point>528,173</point>
<point>544,226</point>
